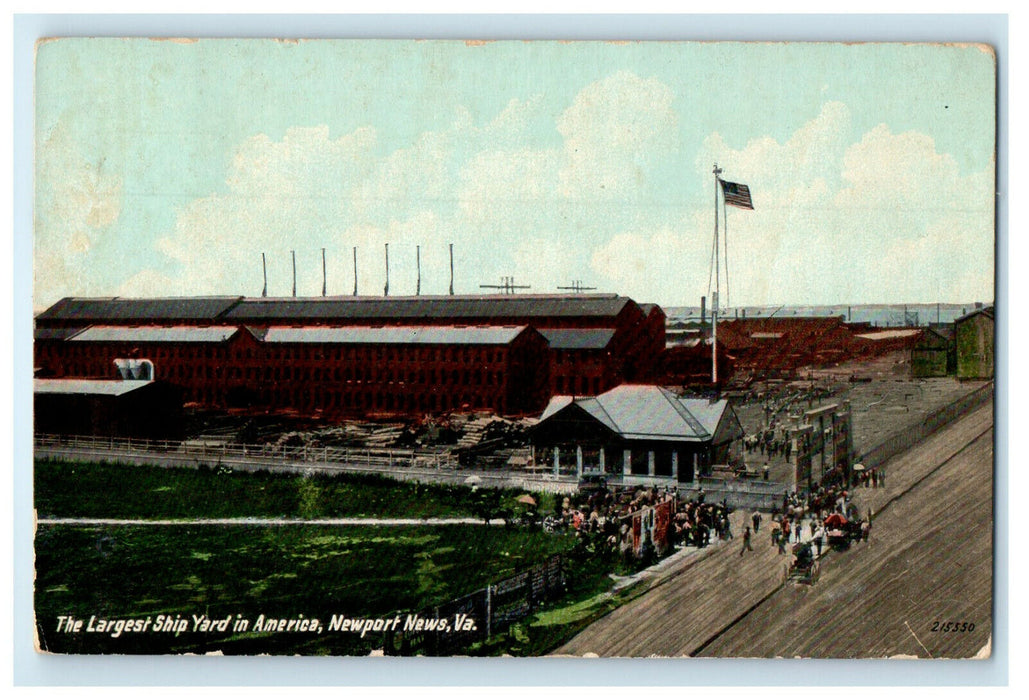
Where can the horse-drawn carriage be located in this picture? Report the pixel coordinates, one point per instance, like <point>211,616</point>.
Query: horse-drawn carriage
<point>802,567</point>
<point>841,532</point>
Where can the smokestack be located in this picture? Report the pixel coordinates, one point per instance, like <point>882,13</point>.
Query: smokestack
<point>264,269</point>
<point>451,269</point>
<point>418,262</point>
<point>703,311</point>
<point>294,253</point>
<point>385,292</point>
<point>323,273</point>
<point>355,270</point>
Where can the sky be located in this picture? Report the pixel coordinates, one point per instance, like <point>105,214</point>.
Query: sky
<point>166,168</point>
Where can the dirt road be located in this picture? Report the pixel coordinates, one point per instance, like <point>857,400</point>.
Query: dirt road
<point>928,561</point>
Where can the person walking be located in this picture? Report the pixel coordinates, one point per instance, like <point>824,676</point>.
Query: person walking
<point>746,541</point>
<point>756,519</point>
<point>818,542</point>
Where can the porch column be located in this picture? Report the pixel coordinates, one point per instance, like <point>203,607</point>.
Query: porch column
<point>696,468</point>
<point>675,466</point>
<point>603,465</point>
<point>578,461</point>
<point>627,463</point>
<point>650,463</point>
<point>557,460</point>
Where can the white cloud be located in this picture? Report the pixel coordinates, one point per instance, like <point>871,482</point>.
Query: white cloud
<point>611,131</point>
<point>884,219</point>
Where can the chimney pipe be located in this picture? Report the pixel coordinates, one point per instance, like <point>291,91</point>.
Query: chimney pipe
<point>703,311</point>
<point>264,269</point>
<point>294,254</point>
<point>418,262</point>
<point>385,292</point>
<point>323,273</point>
<point>451,269</point>
<point>355,270</point>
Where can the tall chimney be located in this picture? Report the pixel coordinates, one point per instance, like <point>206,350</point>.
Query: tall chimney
<point>323,273</point>
<point>451,269</point>
<point>703,311</point>
<point>418,262</point>
<point>355,270</point>
<point>294,253</point>
<point>385,292</point>
<point>264,269</point>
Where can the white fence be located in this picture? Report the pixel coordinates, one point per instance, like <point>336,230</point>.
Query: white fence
<point>408,465</point>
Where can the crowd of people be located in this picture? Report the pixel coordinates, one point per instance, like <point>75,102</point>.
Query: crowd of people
<point>602,521</point>
<point>696,522</point>
<point>770,442</point>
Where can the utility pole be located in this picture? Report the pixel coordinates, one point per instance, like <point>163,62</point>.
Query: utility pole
<point>264,269</point>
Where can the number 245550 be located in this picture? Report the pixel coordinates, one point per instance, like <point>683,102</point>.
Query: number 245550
<point>952,626</point>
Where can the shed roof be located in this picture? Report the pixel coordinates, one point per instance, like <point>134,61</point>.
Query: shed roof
<point>55,333</point>
<point>578,338</point>
<point>890,334</point>
<point>155,334</point>
<point>986,311</point>
<point>90,387</point>
<point>644,412</point>
<point>479,306</point>
<point>396,335</point>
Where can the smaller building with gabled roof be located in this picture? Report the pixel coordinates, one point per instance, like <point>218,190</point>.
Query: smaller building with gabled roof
<point>974,339</point>
<point>638,433</point>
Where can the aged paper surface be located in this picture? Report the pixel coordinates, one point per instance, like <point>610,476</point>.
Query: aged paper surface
<point>528,348</point>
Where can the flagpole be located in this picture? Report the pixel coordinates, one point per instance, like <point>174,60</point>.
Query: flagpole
<point>714,299</point>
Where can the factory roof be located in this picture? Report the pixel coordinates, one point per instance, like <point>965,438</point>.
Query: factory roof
<point>93,387</point>
<point>54,333</point>
<point>479,307</point>
<point>99,309</point>
<point>155,334</point>
<point>402,335</point>
<point>643,412</point>
<point>578,338</point>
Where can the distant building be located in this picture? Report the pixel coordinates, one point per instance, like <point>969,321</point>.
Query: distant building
<point>637,433</point>
<point>108,407</point>
<point>974,340</point>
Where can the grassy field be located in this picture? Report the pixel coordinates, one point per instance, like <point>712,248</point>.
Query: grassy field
<point>70,489</point>
<point>143,571</point>
<point>280,572</point>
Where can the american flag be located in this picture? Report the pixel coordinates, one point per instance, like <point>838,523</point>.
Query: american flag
<point>736,195</point>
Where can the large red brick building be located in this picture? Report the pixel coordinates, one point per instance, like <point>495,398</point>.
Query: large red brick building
<point>360,356</point>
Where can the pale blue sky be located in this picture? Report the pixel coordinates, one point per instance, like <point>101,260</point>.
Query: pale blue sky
<point>167,168</point>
